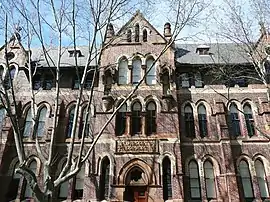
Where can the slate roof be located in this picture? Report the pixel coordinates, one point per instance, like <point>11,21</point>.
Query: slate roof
<point>66,60</point>
<point>223,53</point>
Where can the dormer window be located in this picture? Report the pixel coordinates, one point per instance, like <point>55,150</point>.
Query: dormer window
<point>203,50</point>
<point>73,53</point>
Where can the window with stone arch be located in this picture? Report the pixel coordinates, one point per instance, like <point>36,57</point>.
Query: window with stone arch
<point>144,35</point>
<point>246,180</point>
<point>194,180</point>
<point>84,120</point>
<point>151,69</point>
<point>123,71</point>
<point>137,33</point>
<point>261,179</point>
<point>189,121</point>
<point>41,121</point>
<point>136,70</point>
<point>28,193</point>
<point>14,184</point>
<point>104,178</point>
<point>166,178</point>
<point>235,121</point>
<point>136,118</point>
<point>209,178</point>
<point>9,76</point>
<point>120,120</point>
<point>129,35</point>
<point>151,116</point>
<point>70,122</point>
<point>79,184</point>
<point>2,117</point>
<point>249,120</point>
<point>202,116</point>
<point>28,123</point>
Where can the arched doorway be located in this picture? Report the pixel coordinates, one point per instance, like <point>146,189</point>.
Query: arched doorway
<point>136,185</point>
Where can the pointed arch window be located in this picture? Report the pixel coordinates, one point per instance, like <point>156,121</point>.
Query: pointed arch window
<point>202,120</point>
<point>28,191</point>
<point>194,181</point>
<point>79,184</point>
<point>84,121</point>
<point>136,118</point>
<point>129,35</point>
<point>246,180</point>
<point>136,70</point>
<point>120,123</point>
<point>261,178</point>
<point>166,82</point>
<point>28,123</point>
<point>249,120</point>
<point>189,121</point>
<point>2,117</point>
<point>151,125</point>
<point>235,120</point>
<point>151,75</point>
<point>167,181</point>
<point>41,121</point>
<point>70,122</point>
<point>105,179</point>
<point>63,188</point>
<point>122,71</point>
<point>14,184</point>
<point>144,35</point>
<point>209,180</point>
<point>137,33</point>
<point>10,74</point>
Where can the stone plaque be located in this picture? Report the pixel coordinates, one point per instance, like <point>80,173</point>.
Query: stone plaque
<point>137,146</point>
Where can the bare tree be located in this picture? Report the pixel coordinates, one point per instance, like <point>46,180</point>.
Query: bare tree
<point>75,20</point>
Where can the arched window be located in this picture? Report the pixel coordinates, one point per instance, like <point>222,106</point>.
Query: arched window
<point>28,193</point>
<point>151,75</point>
<point>246,180</point>
<point>194,181</point>
<point>83,121</point>
<point>202,120</point>
<point>151,125</point>
<point>41,121</point>
<point>137,33</point>
<point>63,188</point>
<point>122,71</point>
<point>165,82</point>
<point>261,178</point>
<point>249,120</point>
<point>120,123</point>
<point>28,123</point>
<point>209,180</point>
<point>136,70</point>
<point>79,184</point>
<point>235,120</point>
<point>14,184</point>
<point>167,181</point>
<point>129,35</point>
<point>136,118</point>
<point>189,121</point>
<point>105,179</point>
<point>70,122</point>
<point>144,35</point>
<point>9,75</point>
<point>2,117</point>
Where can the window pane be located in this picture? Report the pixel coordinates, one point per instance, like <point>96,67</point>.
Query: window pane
<point>123,70</point>
<point>136,71</point>
<point>246,180</point>
<point>260,173</point>
<point>2,117</point>
<point>151,76</point>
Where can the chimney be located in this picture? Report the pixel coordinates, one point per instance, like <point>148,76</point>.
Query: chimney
<point>110,31</point>
<point>167,30</point>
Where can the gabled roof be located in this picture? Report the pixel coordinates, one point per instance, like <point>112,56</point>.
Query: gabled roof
<point>140,15</point>
<point>223,53</point>
<point>66,60</point>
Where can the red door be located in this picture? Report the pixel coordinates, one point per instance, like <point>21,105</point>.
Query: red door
<point>140,194</point>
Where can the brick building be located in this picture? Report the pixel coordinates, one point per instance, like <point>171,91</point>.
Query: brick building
<point>182,136</point>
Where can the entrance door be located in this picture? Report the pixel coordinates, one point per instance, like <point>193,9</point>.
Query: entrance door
<point>140,194</point>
